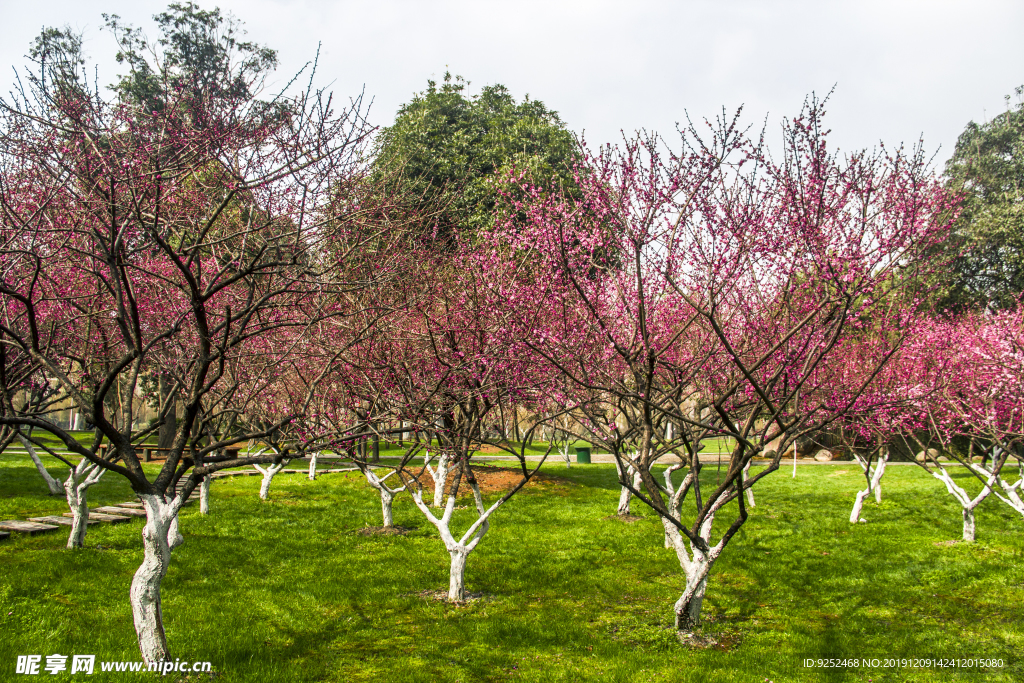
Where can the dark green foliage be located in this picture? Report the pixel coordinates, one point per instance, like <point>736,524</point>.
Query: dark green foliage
<point>988,167</point>
<point>201,54</point>
<point>455,151</point>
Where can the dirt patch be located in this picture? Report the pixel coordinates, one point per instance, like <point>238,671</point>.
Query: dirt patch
<point>385,530</point>
<point>501,480</point>
<point>442,596</point>
<point>629,519</point>
<point>946,544</point>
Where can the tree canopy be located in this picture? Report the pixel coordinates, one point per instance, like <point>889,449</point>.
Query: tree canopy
<point>457,150</point>
<point>987,166</point>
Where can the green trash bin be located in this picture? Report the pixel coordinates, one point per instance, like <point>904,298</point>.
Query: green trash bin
<point>583,455</point>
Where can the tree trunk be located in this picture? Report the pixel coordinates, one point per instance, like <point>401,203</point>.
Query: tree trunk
<point>969,525</point>
<point>457,574</point>
<point>743,478</point>
<point>624,493</point>
<point>440,479</point>
<point>204,495</point>
<point>145,587</point>
<point>687,607</point>
<point>268,473</point>
<point>312,466</point>
<point>78,502</point>
<point>54,485</point>
<point>165,436</point>
<point>387,500</point>
<point>858,505</point>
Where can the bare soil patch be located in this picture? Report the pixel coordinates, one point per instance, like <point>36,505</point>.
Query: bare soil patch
<point>629,519</point>
<point>442,596</point>
<point>385,530</point>
<point>501,479</point>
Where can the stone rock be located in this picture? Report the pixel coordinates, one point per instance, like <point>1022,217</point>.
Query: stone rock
<point>932,454</point>
<point>824,455</point>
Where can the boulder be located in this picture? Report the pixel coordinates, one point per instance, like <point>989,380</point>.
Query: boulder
<point>824,455</point>
<point>931,454</point>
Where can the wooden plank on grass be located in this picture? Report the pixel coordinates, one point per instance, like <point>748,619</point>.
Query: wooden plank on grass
<point>54,519</point>
<point>138,506</point>
<point>30,528</point>
<point>110,519</point>
<point>111,510</point>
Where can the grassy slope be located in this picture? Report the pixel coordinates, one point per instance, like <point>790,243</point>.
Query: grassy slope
<point>285,590</point>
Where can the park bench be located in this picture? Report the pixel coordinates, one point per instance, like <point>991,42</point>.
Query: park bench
<point>157,454</point>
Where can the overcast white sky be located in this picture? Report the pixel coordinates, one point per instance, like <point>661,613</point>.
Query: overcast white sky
<point>902,69</point>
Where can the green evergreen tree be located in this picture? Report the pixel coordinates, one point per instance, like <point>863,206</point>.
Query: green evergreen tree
<point>455,151</point>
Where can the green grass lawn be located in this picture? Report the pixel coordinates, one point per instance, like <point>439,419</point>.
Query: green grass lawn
<point>287,590</point>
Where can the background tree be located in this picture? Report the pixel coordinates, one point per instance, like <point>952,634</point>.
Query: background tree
<point>456,150</point>
<point>988,167</point>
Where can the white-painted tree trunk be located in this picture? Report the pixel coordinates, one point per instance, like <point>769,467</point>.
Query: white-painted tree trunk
<point>696,564</point>
<point>76,488</point>
<point>874,478</point>
<point>268,473</point>
<point>159,536</point>
<point>563,450</point>
<point>743,479</point>
<point>204,495</point>
<point>440,476</point>
<point>624,493</point>
<point>794,458</point>
<point>458,550</point>
<point>312,466</point>
<point>54,485</point>
<point>457,573</point>
<point>387,494</point>
<point>967,503</point>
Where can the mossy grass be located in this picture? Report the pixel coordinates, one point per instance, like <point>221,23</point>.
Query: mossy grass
<point>288,590</point>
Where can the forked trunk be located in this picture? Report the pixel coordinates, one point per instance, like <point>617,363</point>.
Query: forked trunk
<point>457,574</point>
<point>268,473</point>
<point>204,495</point>
<point>76,489</point>
<point>858,505</point>
<point>159,535</point>
<point>80,517</point>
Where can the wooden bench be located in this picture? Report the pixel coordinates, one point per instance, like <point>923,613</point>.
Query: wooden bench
<point>157,454</point>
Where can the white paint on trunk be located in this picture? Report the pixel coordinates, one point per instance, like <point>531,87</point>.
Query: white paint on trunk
<point>1010,492</point>
<point>794,458</point>
<point>204,495</point>
<point>457,574</point>
<point>967,503</point>
<point>696,564</point>
<point>440,476</point>
<point>458,549</point>
<point>873,475</point>
<point>268,473</point>
<point>53,484</point>
<point>159,536</point>
<point>387,494</point>
<point>312,466</point>
<point>563,450</point>
<point>76,488</point>
<point>743,479</point>
<point>624,493</point>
